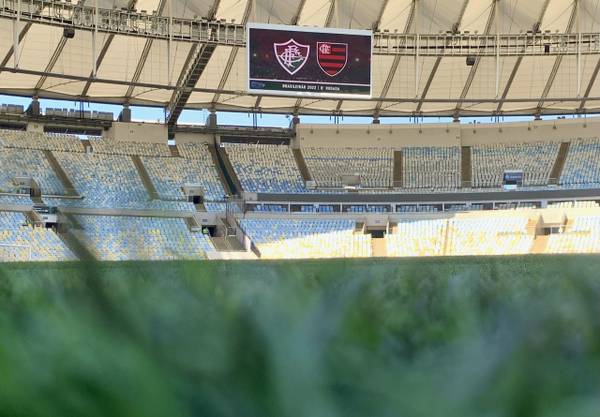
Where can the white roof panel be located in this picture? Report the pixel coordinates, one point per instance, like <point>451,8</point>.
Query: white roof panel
<point>484,82</point>
<point>395,15</point>
<point>120,62</point>
<point>231,10</point>
<point>76,57</point>
<point>273,11</point>
<point>356,14</point>
<point>449,79</point>
<point>314,13</point>
<point>37,47</point>
<point>476,16</point>
<point>531,78</point>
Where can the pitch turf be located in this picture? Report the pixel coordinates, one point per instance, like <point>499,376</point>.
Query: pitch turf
<point>514,336</point>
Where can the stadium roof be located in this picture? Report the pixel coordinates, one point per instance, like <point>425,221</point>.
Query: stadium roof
<point>145,67</point>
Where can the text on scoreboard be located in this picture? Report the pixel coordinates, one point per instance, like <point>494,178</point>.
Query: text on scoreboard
<point>293,60</point>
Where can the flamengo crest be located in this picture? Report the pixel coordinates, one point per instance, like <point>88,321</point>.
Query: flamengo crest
<point>332,57</point>
<point>291,55</point>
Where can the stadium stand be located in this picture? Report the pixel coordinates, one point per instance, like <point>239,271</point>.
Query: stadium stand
<point>582,165</point>
<point>20,241</point>
<point>111,181</point>
<point>170,174</point>
<point>583,237</point>
<point>296,239</point>
<point>27,163</point>
<point>113,238</point>
<point>373,165</point>
<point>417,238</point>
<point>21,200</point>
<point>489,236</point>
<point>114,147</point>
<point>265,168</point>
<point>574,204</point>
<point>490,161</point>
<point>270,208</point>
<point>416,209</point>
<point>431,167</point>
<point>42,141</point>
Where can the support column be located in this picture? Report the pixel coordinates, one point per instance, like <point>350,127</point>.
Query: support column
<point>34,107</point>
<point>211,121</point>
<point>125,115</point>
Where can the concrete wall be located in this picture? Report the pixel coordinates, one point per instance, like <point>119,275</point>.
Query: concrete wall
<point>534,131</point>
<point>388,136</point>
<point>185,137</point>
<point>396,136</point>
<point>137,132</point>
<point>35,127</point>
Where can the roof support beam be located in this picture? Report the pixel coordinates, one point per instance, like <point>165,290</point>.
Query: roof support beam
<point>144,56</point>
<point>54,58</point>
<point>102,54</point>
<point>215,91</point>
<point>22,34</point>
<point>296,17</point>
<point>328,20</point>
<point>396,62</point>
<point>438,60</point>
<point>513,73</point>
<point>377,22</point>
<point>488,26</point>
<point>194,67</point>
<point>588,90</point>
<point>232,54</point>
<point>375,26</point>
<point>557,61</point>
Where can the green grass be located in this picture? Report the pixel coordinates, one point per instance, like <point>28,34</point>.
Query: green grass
<point>464,337</point>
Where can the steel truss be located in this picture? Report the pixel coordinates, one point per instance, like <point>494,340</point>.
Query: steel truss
<point>220,32</point>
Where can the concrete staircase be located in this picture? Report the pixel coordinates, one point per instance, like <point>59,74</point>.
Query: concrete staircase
<point>37,199</point>
<point>60,173</point>
<point>174,151</point>
<point>446,248</point>
<point>301,163</point>
<point>225,168</point>
<point>465,167</point>
<point>86,143</point>
<point>145,177</point>
<point>378,248</point>
<point>397,178</point>
<point>359,228</point>
<point>540,244</point>
<point>559,164</point>
<point>226,240</point>
<point>227,244</point>
<point>76,246</point>
<point>69,235</point>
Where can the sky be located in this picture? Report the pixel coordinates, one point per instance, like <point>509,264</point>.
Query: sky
<point>198,117</point>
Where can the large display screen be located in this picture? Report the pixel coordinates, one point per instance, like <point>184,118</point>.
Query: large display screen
<point>299,61</point>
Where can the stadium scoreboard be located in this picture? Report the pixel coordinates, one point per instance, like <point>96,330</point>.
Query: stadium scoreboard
<point>301,61</point>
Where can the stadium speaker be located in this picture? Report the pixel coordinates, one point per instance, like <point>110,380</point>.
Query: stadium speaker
<point>69,33</point>
<point>546,48</point>
<point>470,60</point>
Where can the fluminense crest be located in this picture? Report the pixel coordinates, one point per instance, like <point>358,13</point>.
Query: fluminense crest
<point>291,55</point>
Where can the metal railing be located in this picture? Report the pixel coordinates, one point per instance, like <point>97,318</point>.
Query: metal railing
<point>152,25</point>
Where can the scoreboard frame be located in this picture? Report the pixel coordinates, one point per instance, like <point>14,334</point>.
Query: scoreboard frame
<point>260,84</point>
